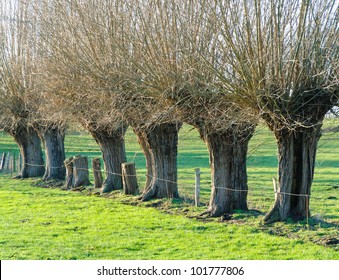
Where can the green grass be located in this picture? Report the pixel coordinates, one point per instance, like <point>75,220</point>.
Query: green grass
<point>39,223</point>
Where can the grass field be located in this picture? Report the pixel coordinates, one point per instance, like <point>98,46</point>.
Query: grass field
<point>48,223</point>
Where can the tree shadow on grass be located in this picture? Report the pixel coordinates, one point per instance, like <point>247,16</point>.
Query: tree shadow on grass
<point>315,230</point>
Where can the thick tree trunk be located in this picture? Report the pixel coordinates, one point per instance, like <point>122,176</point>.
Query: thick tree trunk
<point>297,151</point>
<point>30,149</point>
<point>228,150</point>
<point>54,138</point>
<point>112,146</point>
<point>160,144</point>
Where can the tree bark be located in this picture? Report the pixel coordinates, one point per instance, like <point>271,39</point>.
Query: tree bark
<point>30,149</point>
<point>228,151</point>
<point>297,152</point>
<point>53,138</point>
<point>112,146</point>
<point>160,145</point>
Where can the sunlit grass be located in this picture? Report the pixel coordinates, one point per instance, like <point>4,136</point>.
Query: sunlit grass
<point>41,223</point>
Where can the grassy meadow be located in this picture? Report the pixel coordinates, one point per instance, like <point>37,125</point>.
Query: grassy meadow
<point>49,223</point>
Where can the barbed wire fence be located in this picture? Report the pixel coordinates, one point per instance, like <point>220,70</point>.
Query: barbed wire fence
<point>10,162</point>
<point>261,195</point>
<point>258,197</point>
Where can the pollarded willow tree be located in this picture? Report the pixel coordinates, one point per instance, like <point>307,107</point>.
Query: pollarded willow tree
<point>94,51</point>
<point>148,77</point>
<point>286,53</point>
<point>13,109</point>
<point>157,133</point>
<point>84,71</point>
<point>13,105</point>
<point>176,39</point>
<point>23,95</point>
<point>225,128</point>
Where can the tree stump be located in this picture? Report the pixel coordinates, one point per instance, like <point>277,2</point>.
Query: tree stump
<point>129,178</point>
<point>96,165</point>
<point>77,174</point>
<point>69,172</point>
<point>80,172</point>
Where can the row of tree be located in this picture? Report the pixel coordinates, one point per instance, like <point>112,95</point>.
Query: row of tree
<point>220,66</point>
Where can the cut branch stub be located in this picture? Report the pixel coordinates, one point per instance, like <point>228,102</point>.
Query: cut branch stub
<point>129,178</point>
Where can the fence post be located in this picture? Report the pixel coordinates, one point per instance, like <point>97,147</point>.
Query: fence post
<point>20,162</point>
<point>197,187</point>
<point>17,166</point>
<point>129,178</point>
<point>275,188</point>
<point>69,173</point>
<point>7,162</point>
<point>96,165</point>
<point>11,164</point>
<point>14,163</point>
<point>3,159</point>
<point>80,171</point>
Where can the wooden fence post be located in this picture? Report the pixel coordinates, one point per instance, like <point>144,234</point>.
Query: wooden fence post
<point>197,187</point>
<point>80,171</point>
<point>11,164</point>
<point>275,188</point>
<point>77,174</point>
<point>3,159</point>
<point>129,178</point>
<point>96,165</point>
<point>14,163</point>
<point>7,162</point>
<point>18,163</point>
<point>69,172</point>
